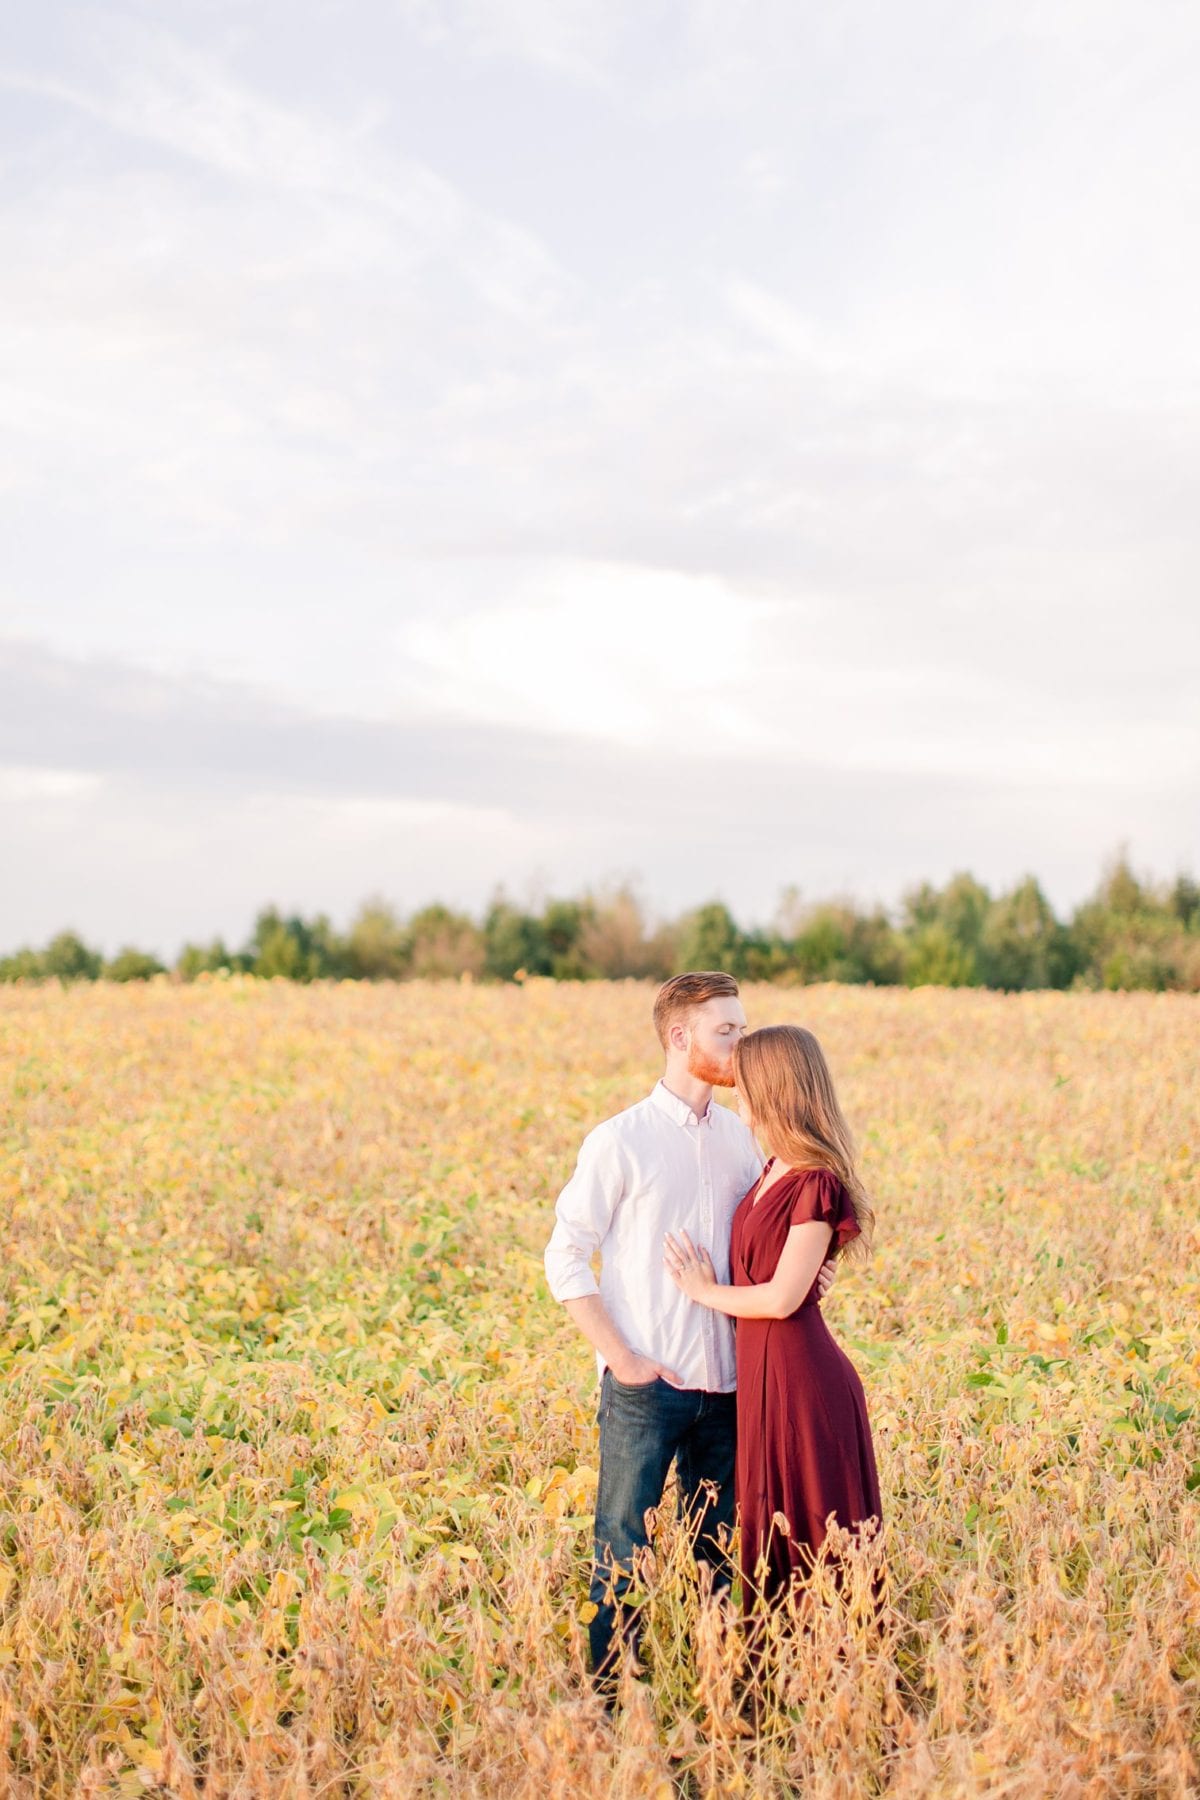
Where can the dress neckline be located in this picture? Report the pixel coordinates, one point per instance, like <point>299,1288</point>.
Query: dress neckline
<point>771,1185</point>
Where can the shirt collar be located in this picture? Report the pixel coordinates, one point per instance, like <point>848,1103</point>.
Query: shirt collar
<point>678,1109</point>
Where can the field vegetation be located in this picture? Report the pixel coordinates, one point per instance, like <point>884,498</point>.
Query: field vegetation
<point>297,1456</point>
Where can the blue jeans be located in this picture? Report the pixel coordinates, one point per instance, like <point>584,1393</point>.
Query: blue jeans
<point>642,1431</point>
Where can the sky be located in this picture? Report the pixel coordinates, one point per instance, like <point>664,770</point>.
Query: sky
<point>452,443</point>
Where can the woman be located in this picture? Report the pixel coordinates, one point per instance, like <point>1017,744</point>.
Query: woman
<point>803,1442</point>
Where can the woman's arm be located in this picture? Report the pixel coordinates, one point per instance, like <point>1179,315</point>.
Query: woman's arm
<point>798,1267</point>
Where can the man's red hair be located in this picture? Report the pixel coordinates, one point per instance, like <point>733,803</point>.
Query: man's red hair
<point>683,993</point>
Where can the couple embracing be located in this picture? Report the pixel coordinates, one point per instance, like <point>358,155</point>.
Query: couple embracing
<point>694,1232</point>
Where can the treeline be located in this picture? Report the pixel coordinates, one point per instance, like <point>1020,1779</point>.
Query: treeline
<point>1131,933</point>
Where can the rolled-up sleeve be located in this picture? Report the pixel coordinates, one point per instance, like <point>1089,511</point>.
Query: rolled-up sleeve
<point>582,1217</point>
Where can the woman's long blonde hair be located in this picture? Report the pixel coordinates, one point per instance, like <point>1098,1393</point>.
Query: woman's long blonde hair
<point>782,1075</point>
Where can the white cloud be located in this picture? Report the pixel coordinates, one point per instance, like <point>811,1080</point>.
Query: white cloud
<point>610,651</point>
<point>783,327</point>
<point>656,660</point>
<point>20,784</point>
<point>250,335</point>
<point>572,38</point>
<point>176,98</point>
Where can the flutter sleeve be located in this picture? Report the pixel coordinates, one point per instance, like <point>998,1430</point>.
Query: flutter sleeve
<point>820,1195</point>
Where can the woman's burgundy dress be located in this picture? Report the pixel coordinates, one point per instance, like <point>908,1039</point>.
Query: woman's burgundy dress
<point>803,1442</point>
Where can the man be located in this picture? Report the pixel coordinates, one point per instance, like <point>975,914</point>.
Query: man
<point>675,1160</point>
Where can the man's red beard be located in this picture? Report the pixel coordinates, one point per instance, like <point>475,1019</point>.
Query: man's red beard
<point>707,1068</point>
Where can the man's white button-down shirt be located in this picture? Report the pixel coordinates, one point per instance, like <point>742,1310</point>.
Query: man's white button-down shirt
<point>655,1168</point>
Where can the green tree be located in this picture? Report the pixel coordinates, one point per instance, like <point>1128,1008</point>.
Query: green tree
<point>1184,902</point>
<point>1022,944</point>
<point>762,956</point>
<point>378,947</point>
<point>444,943</point>
<point>942,929</point>
<point>835,942</point>
<point>1138,962</point>
<point>877,949</point>
<point>206,959</point>
<point>709,938</point>
<point>919,907</point>
<point>295,948</point>
<point>932,958</point>
<point>1127,935</point>
<point>1121,893</point>
<point>821,948</point>
<point>962,908</point>
<point>132,965</point>
<point>68,957</point>
<point>562,927</point>
<point>513,941</point>
<point>22,965</point>
<point>280,952</point>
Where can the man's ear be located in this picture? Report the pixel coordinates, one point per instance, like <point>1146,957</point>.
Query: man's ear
<point>678,1035</point>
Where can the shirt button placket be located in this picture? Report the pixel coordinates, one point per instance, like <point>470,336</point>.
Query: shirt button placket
<point>706,1219</point>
